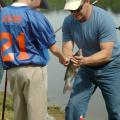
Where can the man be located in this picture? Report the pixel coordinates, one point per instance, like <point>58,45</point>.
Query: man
<point>25,37</point>
<point>93,31</point>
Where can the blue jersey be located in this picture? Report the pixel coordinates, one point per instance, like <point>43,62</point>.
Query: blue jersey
<point>25,37</point>
<point>88,35</point>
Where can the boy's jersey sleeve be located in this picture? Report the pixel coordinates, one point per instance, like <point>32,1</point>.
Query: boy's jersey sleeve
<point>42,29</point>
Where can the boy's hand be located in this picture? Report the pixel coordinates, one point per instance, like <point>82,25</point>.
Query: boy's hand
<point>65,61</point>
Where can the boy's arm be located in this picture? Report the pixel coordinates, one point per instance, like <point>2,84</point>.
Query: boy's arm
<point>56,51</point>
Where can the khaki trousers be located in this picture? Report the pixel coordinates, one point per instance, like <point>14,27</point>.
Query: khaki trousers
<point>29,94</point>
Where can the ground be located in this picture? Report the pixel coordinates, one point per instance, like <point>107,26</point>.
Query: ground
<point>56,112</point>
<point>52,110</point>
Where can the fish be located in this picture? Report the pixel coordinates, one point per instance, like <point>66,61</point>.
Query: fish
<point>70,74</point>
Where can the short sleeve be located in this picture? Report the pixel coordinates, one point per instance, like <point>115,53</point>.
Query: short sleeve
<point>107,31</point>
<point>42,29</point>
<point>66,28</point>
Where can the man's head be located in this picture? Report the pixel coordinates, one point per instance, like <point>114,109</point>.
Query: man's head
<point>78,8</point>
<point>73,4</point>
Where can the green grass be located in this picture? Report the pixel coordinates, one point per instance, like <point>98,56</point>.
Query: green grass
<point>53,110</point>
<point>8,107</point>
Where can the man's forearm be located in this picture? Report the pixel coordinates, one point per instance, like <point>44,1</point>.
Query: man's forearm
<point>67,52</point>
<point>67,48</point>
<point>98,58</point>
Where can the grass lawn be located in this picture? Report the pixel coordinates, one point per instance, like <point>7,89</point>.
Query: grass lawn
<point>52,110</point>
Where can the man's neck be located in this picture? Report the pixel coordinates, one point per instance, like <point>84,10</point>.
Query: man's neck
<point>89,11</point>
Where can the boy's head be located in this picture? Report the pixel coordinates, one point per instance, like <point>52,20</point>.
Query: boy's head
<point>35,3</point>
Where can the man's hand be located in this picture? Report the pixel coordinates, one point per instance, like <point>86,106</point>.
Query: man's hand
<point>78,60</point>
<point>97,59</point>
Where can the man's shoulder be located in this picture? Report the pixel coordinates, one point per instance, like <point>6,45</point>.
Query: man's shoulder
<point>100,11</point>
<point>101,14</point>
<point>69,19</point>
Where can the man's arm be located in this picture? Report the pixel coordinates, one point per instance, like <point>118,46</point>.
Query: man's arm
<point>67,48</point>
<point>97,59</point>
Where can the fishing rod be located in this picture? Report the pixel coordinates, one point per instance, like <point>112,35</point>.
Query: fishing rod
<point>4,99</point>
<point>95,2</point>
<point>2,4</point>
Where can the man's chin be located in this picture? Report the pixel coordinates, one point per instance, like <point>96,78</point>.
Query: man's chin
<point>79,18</point>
